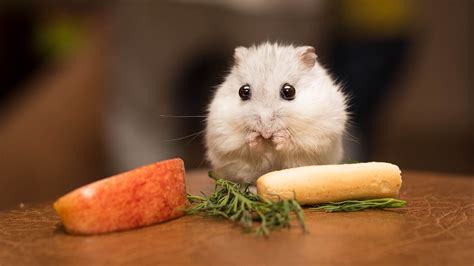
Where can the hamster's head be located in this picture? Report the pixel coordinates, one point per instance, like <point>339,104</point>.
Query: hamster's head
<point>278,95</point>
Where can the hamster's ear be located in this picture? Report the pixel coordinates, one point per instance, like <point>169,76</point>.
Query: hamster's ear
<point>307,56</point>
<point>239,53</point>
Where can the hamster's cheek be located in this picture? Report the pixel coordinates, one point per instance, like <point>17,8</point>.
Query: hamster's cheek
<point>225,136</point>
<point>304,131</point>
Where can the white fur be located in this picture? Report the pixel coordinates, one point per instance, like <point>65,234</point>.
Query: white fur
<point>246,139</point>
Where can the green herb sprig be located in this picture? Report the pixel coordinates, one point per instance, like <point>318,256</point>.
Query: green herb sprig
<point>358,205</point>
<point>236,202</point>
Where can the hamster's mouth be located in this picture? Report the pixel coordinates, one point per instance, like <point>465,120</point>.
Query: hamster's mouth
<point>279,139</point>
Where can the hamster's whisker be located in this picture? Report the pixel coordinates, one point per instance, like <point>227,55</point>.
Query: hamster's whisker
<point>182,116</point>
<point>346,134</point>
<point>195,136</point>
<point>185,137</point>
<point>350,137</point>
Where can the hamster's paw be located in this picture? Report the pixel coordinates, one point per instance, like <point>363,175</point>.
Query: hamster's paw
<point>281,139</point>
<point>253,138</point>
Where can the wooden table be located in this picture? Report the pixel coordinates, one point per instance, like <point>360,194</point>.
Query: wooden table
<point>437,228</point>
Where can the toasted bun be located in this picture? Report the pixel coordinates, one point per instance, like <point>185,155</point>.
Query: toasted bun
<point>329,183</point>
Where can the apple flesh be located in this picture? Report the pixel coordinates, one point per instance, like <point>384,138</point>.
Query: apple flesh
<point>147,195</point>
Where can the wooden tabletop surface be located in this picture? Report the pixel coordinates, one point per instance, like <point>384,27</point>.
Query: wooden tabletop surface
<point>436,228</point>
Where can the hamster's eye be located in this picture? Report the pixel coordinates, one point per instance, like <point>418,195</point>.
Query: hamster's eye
<point>245,93</point>
<point>287,92</point>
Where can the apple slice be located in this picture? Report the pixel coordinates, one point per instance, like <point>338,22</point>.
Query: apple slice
<point>143,196</point>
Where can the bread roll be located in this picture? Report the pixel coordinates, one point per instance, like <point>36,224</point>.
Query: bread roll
<point>330,183</point>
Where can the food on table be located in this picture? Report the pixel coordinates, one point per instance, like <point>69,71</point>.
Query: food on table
<point>143,196</point>
<point>332,183</point>
<point>359,205</point>
<point>235,201</point>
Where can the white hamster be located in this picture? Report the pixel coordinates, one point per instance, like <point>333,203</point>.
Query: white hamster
<point>277,108</point>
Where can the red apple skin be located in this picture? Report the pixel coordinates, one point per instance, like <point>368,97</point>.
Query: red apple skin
<point>147,195</point>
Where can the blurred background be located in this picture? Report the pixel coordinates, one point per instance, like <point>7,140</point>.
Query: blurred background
<point>87,88</point>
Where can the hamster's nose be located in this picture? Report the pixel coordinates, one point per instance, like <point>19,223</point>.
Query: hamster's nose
<point>265,123</point>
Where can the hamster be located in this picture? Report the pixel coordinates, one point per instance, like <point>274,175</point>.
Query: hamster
<point>277,108</point>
